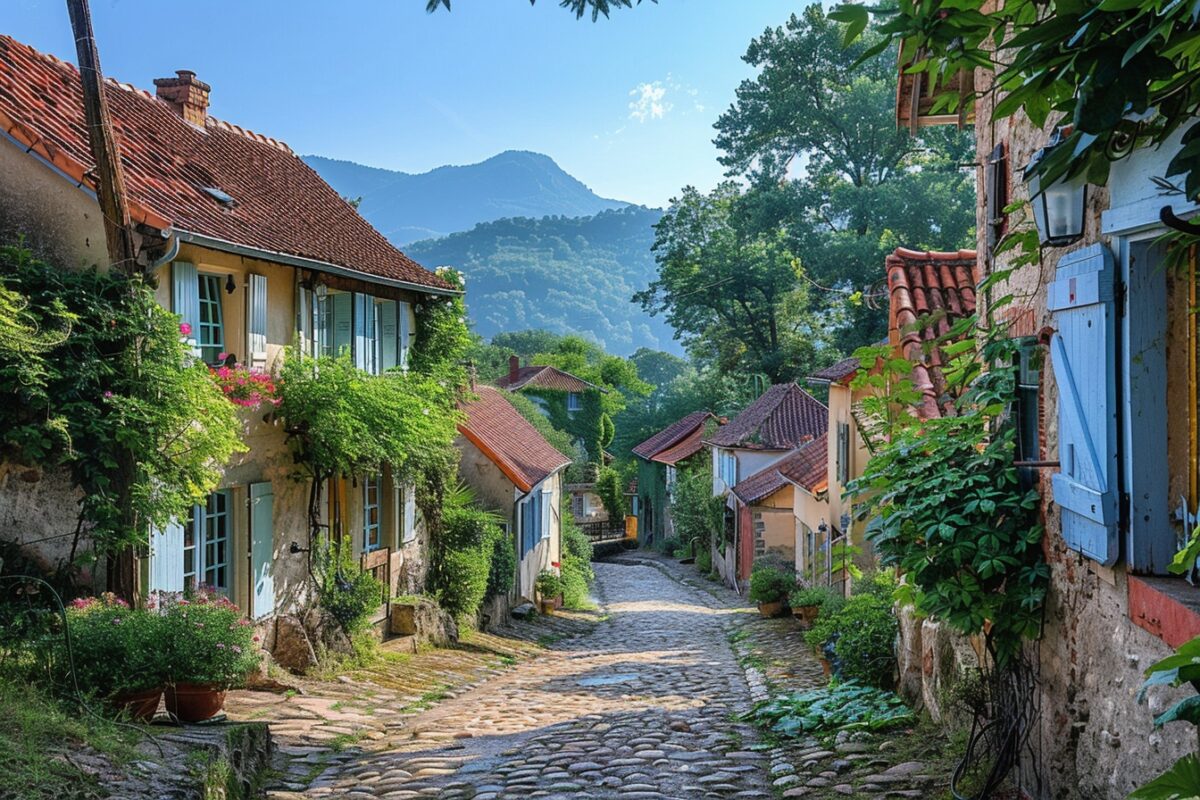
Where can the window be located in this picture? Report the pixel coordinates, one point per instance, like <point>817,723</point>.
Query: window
<point>210,337</point>
<point>534,526</point>
<point>206,544</point>
<point>365,337</point>
<point>371,527</point>
<point>375,332</point>
<point>996,170</point>
<point>546,513</point>
<point>843,453</point>
<point>405,512</point>
<point>574,401</point>
<point>1028,374</point>
<point>727,464</point>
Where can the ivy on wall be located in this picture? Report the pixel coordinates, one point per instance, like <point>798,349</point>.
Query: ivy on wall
<point>585,425</point>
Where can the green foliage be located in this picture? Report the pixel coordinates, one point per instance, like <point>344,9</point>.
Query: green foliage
<point>879,582</point>
<point>502,570</point>
<point>607,430</point>
<point>577,7</point>
<point>802,596</point>
<point>576,569</point>
<point>207,640</point>
<point>841,707</point>
<point>1100,67</point>
<point>1180,782</point>
<point>770,582</point>
<point>558,439</point>
<point>345,591</point>
<point>548,585</point>
<point>116,649</point>
<point>698,516</point>
<point>704,560</point>
<point>442,336</point>
<point>119,401</point>
<point>944,498</point>
<point>610,487</point>
<point>667,546</point>
<point>862,632</point>
<point>461,559</point>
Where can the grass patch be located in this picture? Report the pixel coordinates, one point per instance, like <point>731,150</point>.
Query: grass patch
<point>427,700</point>
<point>38,739</point>
<point>343,740</point>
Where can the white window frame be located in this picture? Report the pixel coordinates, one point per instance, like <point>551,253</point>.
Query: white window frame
<point>209,350</point>
<point>574,401</point>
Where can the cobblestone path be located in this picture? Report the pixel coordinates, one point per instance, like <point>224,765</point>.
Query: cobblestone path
<point>642,706</point>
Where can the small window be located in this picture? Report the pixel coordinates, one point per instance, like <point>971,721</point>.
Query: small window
<point>574,401</point>
<point>1029,361</point>
<point>206,544</point>
<point>843,453</point>
<point>371,526</point>
<point>211,336</point>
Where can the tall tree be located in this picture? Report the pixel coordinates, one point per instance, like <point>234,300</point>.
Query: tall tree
<point>731,287</point>
<point>815,133</point>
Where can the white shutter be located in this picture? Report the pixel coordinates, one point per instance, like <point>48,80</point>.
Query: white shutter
<point>547,511</point>
<point>304,319</point>
<point>185,295</point>
<point>406,333</point>
<point>166,558</point>
<point>256,321</point>
<point>410,514</point>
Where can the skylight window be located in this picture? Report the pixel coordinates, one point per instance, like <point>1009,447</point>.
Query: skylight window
<point>224,198</point>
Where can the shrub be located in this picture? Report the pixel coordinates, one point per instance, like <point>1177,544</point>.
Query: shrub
<point>577,573</point>
<point>612,493</point>
<point>549,585</point>
<point>347,593</point>
<point>503,569</point>
<point>809,596</point>
<point>667,546</point>
<point>878,583</point>
<point>208,641</point>
<point>115,648</point>
<point>460,574</point>
<point>862,634</point>
<point>696,513</point>
<point>833,708</point>
<point>770,582</point>
<point>704,560</point>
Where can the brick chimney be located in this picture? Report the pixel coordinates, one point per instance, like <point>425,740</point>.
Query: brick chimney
<point>514,368</point>
<point>185,94</point>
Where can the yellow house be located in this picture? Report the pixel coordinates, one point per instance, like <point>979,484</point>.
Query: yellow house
<point>255,253</point>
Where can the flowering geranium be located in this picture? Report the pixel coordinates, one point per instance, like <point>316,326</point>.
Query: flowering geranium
<point>246,387</point>
<point>185,329</point>
<point>115,648</point>
<point>208,640</point>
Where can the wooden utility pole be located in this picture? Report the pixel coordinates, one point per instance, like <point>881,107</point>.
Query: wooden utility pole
<point>110,183</point>
<point>122,255</point>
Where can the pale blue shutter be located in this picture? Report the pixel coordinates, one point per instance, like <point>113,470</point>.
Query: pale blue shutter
<point>166,558</point>
<point>256,321</point>
<point>410,514</point>
<point>304,319</point>
<point>406,333</point>
<point>339,317</point>
<point>547,511</point>
<point>185,295</point>
<point>364,332</point>
<point>388,335</point>
<point>1083,355</point>
<point>262,549</point>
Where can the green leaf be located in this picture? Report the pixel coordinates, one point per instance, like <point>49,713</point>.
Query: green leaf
<point>1186,710</point>
<point>1180,782</point>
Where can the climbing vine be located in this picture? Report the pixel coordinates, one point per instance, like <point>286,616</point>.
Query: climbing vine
<point>105,387</point>
<point>943,495</point>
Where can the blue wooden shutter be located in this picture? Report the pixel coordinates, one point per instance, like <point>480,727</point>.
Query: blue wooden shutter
<point>339,317</point>
<point>388,334</point>
<point>262,549</point>
<point>166,558</point>
<point>1083,355</point>
<point>185,295</point>
<point>256,321</point>
<point>547,511</point>
<point>406,333</point>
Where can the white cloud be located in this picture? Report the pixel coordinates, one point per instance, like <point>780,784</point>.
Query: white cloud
<point>649,101</point>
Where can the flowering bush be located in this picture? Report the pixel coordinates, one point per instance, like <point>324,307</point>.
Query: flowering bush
<point>207,640</point>
<point>115,648</point>
<point>246,387</point>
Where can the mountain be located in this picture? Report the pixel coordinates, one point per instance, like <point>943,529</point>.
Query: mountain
<point>567,275</point>
<point>407,207</point>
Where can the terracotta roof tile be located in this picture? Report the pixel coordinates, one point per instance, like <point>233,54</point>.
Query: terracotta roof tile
<point>928,293</point>
<point>282,205</point>
<point>686,448</point>
<point>805,467</point>
<point>674,434</point>
<point>784,417</point>
<point>546,378</point>
<point>507,438</point>
<point>836,373</point>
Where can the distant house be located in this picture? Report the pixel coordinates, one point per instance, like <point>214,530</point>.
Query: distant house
<point>570,403</point>
<point>518,474</point>
<point>659,459</point>
<point>769,429</point>
<point>256,253</point>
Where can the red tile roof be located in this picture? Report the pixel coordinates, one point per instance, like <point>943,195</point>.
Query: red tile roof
<point>546,378</point>
<point>837,373</point>
<point>282,205</point>
<point>928,292</point>
<point>686,448</point>
<point>508,440</point>
<point>784,417</point>
<point>677,433</point>
<point>805,467</point>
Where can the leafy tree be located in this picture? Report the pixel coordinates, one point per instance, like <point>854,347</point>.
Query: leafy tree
<point>815,133</point>
<point>610,488</point>
<point>730,288</point>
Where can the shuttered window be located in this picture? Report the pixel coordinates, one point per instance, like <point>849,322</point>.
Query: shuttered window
<point>372,529</point>
<point>996,189</point>
<point>211,335</point>
<point>185,296</point>
<point>256,321</point>
<point>1083,357</point>
<point>843,453</point>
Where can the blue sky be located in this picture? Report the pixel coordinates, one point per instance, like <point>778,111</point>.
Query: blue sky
<point>626,105</point>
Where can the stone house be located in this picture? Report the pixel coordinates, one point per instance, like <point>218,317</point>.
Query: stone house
<point>256,253</point>
<point>1108,428</point>
<point>780,420</point>
<point>516,473</point>
<point>659,458</point>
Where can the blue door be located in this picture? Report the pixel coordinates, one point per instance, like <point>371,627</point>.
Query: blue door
<point>262,550</point>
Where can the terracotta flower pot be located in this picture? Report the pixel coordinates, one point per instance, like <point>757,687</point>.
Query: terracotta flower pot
<point>195,702</point>
<point>548,607</point>
<point>827,667</point>
<point>772,609</point>
<point>138,705</point>
<point>806,614</point>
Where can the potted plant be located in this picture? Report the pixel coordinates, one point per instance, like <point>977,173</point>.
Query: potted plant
<point>769,587</point>
<point>549,588</point>
<point>211,648</point>
<point>806,602</point>
<point>117,654</point>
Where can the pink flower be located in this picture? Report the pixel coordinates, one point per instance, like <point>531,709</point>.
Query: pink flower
<point>107,395</point>
<point>116,621</point>
<point>255,638</point>
<point>222,356</point>
<point>220,645</point>
<point>236,649</point>
<point>185,329</point>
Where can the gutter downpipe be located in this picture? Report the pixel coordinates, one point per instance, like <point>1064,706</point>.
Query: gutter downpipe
<point>167,257</point>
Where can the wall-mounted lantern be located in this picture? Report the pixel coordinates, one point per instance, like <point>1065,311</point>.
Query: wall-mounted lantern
<point>1058,207</point>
